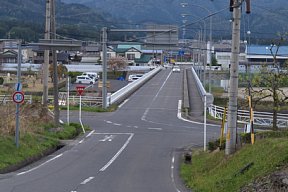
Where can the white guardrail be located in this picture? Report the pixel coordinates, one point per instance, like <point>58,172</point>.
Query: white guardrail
<point>116,97</point>
<point>75,100</point>
<point>201,89</point>
<point>4,99</point>
<point>243,116</point>
<point>124,92</point>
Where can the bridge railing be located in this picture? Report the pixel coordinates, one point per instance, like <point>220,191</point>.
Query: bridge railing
<point>126,91</point>
<point>243,116</point>
<point>201,89</point>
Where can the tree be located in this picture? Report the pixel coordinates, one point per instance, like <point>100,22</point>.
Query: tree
<point>214,61</point>
<point>270,82</point>
<point>117,63</point>
<point>61,71</point>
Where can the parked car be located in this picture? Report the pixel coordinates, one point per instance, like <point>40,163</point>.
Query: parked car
<point>176,69</point>
<point>84,79</point>
<point>134,77</point>
<point>92,75</point>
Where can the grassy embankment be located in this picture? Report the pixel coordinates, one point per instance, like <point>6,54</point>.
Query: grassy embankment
<point>216,172</point>
<point>33,145</point>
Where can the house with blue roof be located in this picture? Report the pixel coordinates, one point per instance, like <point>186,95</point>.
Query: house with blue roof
<point>259,55</point>
<point>262,53</point>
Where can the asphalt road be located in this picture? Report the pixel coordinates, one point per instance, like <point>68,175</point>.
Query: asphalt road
<point>135,149</point>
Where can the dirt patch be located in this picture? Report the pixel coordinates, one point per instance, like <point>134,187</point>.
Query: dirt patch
<point>275,182</point>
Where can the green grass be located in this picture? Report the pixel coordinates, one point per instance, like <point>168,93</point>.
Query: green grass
<point>33,145</point>
<point>91,109</point>
<point>30,146</point>
<point>217,172</point>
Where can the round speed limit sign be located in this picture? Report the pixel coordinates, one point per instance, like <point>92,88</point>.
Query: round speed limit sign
<point>18,97</point>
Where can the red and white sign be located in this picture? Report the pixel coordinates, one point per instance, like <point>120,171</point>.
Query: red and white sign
<point>80,89</point>
<point>18,97</point>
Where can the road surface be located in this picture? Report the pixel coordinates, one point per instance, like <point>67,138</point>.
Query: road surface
<point>135,149</point>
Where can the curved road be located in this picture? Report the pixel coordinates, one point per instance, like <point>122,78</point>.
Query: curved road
<point>134,149</point>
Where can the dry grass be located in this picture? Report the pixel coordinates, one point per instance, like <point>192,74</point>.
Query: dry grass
<point>30,118</point>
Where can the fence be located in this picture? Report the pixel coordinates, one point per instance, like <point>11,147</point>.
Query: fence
<point>243,116</point>
<point>74,100</point>
<point>4,99</point>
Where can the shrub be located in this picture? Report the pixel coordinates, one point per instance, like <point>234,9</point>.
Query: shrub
<point>1,80</point>
<point>213,145</point>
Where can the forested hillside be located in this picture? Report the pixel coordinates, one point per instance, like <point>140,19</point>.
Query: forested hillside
<point>26,19</point>
<point>266,19</point>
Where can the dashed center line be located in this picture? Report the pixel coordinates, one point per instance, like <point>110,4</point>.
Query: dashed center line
<point>87,180</point>
<point>159,129</point>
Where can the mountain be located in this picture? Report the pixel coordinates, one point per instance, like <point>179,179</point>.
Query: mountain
<point>26,20</point>
<point>266,19</point>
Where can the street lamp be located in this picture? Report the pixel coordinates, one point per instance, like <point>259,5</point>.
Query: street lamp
<point>210,45</point>
<point>266,55</point>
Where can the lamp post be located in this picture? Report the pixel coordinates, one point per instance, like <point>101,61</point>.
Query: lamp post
<point>266,54</point>
<point>210,44</point>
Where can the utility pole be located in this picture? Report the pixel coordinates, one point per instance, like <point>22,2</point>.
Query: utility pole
<point>46,57</point>
<point>235,6</point>
<point>55,71</point>
<point>104,68</point>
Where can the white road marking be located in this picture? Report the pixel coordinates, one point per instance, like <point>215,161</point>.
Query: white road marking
<point>118,153</point>
<point>172,173</point>
<point>108,122</point>
<point>81,141</point>
<point>30,170</point>
<point>117,124</point>
<point>136,127</point>
<point>87,180</point>
<point>159,129</point>
<point>179,115</point>
<point>90,134</point>
<point>108,138</point>
<point>143,118</point>
<point>123,103</point>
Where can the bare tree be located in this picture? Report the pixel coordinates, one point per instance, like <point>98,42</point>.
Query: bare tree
<point>271,80</point>
<point>61,70</point>
<point>117,63</point>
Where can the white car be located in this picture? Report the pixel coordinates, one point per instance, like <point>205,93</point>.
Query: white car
<point>176,69</point>
<point>92,75</point>
<point>84,79</point>
<point>134,77</point>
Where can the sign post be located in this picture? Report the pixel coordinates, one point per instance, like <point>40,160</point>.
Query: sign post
<point>80,91</point>
<point>18,96</point>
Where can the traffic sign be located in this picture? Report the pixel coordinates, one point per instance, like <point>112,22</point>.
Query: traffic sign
<point>18,86</point>
<point>18,97</point>
<point>80,89</point>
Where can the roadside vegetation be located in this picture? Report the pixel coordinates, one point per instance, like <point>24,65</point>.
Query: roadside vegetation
<point>33,146</point>
<point>38,136</point>
<point>214,171</point>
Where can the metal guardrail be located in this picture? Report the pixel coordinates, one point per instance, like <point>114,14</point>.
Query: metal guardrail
<point>201,89</point>
<point>74,100</point>
<point>126,91</point>
<point>4,99</point>
<point>243,116</point>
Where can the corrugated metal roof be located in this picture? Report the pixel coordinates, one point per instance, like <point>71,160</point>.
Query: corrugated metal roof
<point>265,50</point>
<point>129,46</point>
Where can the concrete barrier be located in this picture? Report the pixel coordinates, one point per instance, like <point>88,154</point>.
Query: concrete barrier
<point>201,89</point>
<point>120,95</point>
